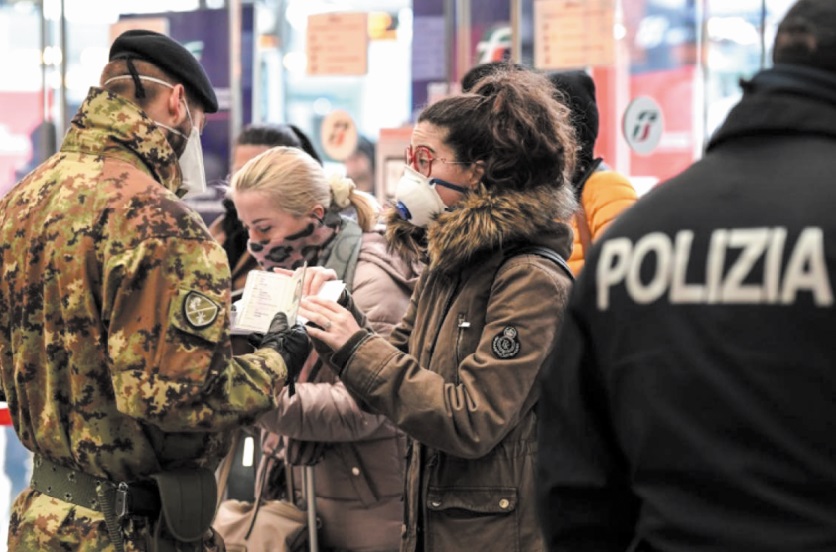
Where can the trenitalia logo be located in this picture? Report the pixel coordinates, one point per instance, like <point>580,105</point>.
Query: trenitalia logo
<point>643,125</point>
<point>641,130</point>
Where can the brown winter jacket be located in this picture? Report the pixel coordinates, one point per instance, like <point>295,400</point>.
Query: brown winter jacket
<point>458,375</point>
<point>359,481</point>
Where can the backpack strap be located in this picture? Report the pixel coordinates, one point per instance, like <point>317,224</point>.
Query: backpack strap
<point>542,251</point>
<point>596,165</point>
<point>584,232</point>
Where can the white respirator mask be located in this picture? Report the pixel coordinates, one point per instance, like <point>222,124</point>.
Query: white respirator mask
<point>416,198</point>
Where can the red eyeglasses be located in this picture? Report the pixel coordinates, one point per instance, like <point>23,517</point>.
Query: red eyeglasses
<point>421,159</point>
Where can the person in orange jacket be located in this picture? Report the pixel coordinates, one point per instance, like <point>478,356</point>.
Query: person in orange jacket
<point>602,193</point>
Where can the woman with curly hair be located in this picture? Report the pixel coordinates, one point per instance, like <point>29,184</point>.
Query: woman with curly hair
<point>484,199</point>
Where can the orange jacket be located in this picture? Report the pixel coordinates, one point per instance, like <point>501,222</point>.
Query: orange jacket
<point>605,195</point>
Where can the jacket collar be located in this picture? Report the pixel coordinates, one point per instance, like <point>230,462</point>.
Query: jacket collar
<point>109,125</point>
<point>786,99</point>
<point>487,221</point>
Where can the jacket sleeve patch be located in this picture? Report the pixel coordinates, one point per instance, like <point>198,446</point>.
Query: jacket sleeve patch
<point>506,345</point>
<point>199,311</point>
<point>197,314</point>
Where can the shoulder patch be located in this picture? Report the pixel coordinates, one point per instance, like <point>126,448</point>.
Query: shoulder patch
<point>199,311</point>
<point>506,344</point>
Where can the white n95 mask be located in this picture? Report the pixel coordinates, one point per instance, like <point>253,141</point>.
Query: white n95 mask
<point>191,160</point>
<point>191,164</point>
<point>416,198</point>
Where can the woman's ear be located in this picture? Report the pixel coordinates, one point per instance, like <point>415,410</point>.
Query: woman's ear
<point>477,172</point>
<point>318,212</point>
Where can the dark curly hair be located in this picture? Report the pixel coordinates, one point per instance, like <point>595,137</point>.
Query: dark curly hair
<point>513,125</point>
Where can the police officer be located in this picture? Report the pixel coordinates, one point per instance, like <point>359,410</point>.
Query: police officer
<point>115,354</point>
<point>692,406</point>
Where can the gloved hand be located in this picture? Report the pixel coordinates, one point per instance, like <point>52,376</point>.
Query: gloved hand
<point>291,343</point>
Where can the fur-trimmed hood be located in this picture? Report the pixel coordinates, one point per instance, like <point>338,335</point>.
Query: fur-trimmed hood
<point>486,221</point>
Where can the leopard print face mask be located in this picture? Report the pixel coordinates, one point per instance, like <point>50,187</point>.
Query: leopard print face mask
<point>293,251</point>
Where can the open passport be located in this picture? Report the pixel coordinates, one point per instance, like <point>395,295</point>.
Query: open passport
<point>267,293</point>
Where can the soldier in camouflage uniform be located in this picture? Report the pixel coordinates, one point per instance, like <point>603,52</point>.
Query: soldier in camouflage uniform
<point>115,354</point>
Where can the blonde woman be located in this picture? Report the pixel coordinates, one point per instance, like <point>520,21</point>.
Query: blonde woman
<point>295,213</point>
<point>252,141</point>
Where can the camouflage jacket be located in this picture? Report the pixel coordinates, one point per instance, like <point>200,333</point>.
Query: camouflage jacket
<point>115,353</point>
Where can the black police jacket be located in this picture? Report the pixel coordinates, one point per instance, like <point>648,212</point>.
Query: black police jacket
<point>693,405</point>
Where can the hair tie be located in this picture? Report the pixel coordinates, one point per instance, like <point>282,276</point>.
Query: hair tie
<point>341,188</point>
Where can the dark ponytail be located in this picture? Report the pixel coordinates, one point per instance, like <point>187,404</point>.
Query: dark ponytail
<point>512,123</point>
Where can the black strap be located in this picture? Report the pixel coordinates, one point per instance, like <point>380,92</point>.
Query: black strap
<point>139,90</point>
<point>542,251</point>
<point>596,165</point>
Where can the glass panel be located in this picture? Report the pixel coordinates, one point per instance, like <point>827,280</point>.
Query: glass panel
<point>736,49</point>
<point>24,142</point>
<point>661,38</point>
<point>378,99</point>
<point>688,57</point>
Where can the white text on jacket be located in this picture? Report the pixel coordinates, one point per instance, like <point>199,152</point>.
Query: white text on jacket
<point>735,282</point>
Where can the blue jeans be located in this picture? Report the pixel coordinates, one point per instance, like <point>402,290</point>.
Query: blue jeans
<point>17,463</point>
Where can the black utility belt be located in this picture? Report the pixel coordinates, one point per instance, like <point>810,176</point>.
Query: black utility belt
<point>182,500</point>
<point>125,498</point>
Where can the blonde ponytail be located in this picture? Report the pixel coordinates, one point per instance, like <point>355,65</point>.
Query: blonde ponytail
<point>344,194</point>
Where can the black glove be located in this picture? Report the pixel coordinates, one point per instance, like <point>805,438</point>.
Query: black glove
<point>292,343</point>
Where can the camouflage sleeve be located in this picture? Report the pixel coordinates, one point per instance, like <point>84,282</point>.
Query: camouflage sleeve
<point>166,306</point>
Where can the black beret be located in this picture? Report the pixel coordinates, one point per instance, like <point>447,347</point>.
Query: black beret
<point>170,56</point>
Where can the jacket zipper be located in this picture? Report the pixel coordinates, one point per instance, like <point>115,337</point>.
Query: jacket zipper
<point>448,303</point>
<point>463,324</point>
